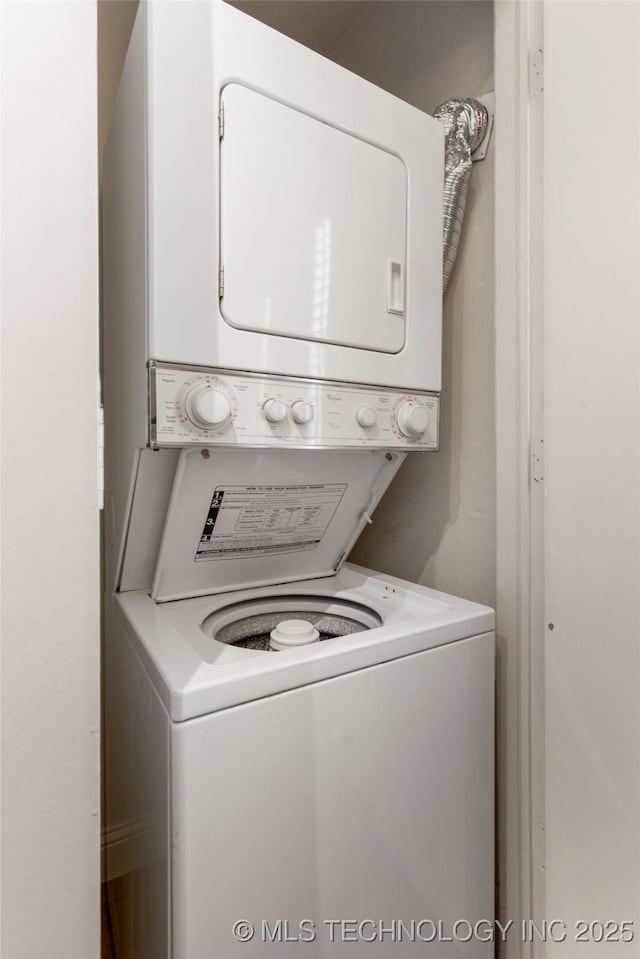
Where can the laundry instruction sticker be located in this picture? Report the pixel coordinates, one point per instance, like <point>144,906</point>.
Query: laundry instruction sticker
<point>261,520</point>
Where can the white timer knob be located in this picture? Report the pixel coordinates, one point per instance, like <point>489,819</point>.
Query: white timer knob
<point>366,417</point>
<point>274,410</point>
<point>208,407</point>
<point>302,412</point>
<point>413,420</point>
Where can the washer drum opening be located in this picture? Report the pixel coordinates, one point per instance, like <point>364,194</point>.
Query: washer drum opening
<point>249,625</point>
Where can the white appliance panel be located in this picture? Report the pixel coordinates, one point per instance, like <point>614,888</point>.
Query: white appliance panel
<point>243,518</point>
<point>368,796</point>
<point>136,781</point>
<point>193,52</point>
<point>271,411</point>
<point>150,499</point>
<point>196,675</point>
<point>313,228</point>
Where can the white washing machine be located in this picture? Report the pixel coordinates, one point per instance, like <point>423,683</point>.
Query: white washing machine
<point>300,744</point>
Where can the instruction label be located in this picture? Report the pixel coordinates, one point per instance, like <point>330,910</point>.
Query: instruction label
<point>260,520</point>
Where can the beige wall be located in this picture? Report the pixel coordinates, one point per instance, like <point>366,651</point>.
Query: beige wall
<point>592,468</point>
<point>115,22</point>
<point>436,525</point>
<point>50,688</point>
<point>315,23</point>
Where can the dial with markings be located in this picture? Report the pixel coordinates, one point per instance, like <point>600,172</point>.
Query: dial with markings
<point>413,419</point>
<point>206,405</point>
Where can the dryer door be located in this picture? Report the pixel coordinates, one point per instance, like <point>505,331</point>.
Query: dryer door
<point>317,218</point>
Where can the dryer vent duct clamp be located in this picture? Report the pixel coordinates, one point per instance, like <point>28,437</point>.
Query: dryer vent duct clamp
<point>466,123</point>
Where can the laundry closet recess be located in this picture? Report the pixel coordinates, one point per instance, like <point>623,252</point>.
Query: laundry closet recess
<point>273,354</point>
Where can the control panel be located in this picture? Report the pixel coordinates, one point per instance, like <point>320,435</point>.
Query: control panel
<point>223,408</point>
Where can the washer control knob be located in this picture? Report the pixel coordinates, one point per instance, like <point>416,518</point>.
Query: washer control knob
<point>302,412</point>
<point>208,407</point>
<point>413,420</point>
<point>366,417</point>
<point>274,410</point>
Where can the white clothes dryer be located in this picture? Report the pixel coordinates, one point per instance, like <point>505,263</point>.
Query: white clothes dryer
<point>266,210</point>
<point>267,215</point>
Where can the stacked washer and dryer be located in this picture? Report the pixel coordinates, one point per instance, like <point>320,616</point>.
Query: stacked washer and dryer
<point>289,738</point>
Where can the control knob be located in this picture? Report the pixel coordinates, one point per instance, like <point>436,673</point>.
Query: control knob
<point>302,412</point>
<point>413,420</point>
<point>208,407</point>
<point>366,417</point>
<point>275,411</point>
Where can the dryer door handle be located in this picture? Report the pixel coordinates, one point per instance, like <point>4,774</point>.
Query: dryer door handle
<point>395,286</point>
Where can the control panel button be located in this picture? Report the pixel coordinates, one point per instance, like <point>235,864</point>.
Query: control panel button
<point>413,420</point>
<point>274,410</point>
<point>208,407</point>
<point>302,412</point>
<point>366,417</point>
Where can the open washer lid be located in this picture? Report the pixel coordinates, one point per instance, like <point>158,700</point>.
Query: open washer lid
<point>244,518</point>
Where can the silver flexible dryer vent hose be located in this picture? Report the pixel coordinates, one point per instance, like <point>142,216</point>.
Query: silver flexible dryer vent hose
<point>465,125</point>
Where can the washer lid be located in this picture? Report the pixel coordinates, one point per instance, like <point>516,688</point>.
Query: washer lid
<point>246,518</point>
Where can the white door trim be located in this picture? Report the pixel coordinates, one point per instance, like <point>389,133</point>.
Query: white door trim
<point>519,407</point>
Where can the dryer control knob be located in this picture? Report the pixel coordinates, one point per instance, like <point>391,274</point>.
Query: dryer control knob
<point>302,412</point>
<point>274,410</point>
<point>366,417</point>
<point>413,420</point>
<point>208,407</point>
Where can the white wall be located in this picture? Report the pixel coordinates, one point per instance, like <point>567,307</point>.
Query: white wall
<point>592,470</point>
<point>50,906</point>
<point>436,525</point>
